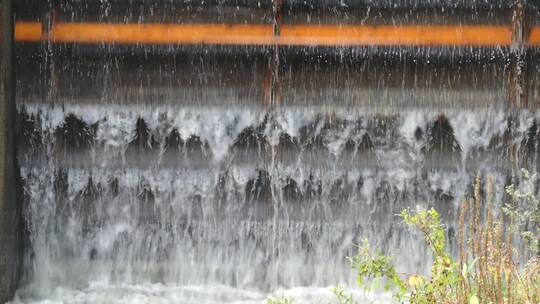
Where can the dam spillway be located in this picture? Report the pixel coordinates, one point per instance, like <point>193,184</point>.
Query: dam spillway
<point>189,170</point>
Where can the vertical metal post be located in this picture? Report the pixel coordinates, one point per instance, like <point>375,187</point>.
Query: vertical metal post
<point>278,14</point>
<point>276,95</point>
<point>518,90</point>
<point>275,67</point>
<point>10,206</point>
<point>49,19</point>
<point>272,84</point>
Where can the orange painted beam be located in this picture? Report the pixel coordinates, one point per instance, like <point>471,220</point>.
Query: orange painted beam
<point>534,37</point>
<point>149,33</point>
<point>162,33</point>
<point>262,34</point>
<point>395,35</point>
<point>28,31</point>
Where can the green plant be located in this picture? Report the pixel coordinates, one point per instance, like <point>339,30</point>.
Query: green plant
<point>375,265</point>
<point>280,300</point>
<point>338,291</point>
<point>416,288</point>
<point>524,211</point>
<point>486,270</point>
<point>444,270</point>
<point>341,296</point>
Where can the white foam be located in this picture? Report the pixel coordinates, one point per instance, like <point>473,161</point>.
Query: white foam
<point>103,292</point>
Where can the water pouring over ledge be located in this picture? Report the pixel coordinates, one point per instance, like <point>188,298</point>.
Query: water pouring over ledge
<point>228,173</point>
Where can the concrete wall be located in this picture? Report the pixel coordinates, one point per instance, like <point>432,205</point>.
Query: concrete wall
<point>11,231</point>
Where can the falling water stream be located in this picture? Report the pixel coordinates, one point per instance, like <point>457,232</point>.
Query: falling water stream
<point>224,205</point>
<point>153,177</point>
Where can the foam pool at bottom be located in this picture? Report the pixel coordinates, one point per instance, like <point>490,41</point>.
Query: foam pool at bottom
<point>100,292</point>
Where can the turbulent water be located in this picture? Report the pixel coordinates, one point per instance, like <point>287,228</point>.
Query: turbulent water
<point>127,204</point>
<point>234,173</point>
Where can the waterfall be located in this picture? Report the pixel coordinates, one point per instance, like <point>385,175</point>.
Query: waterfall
<point>256,200</point>
<point>228,171</point>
